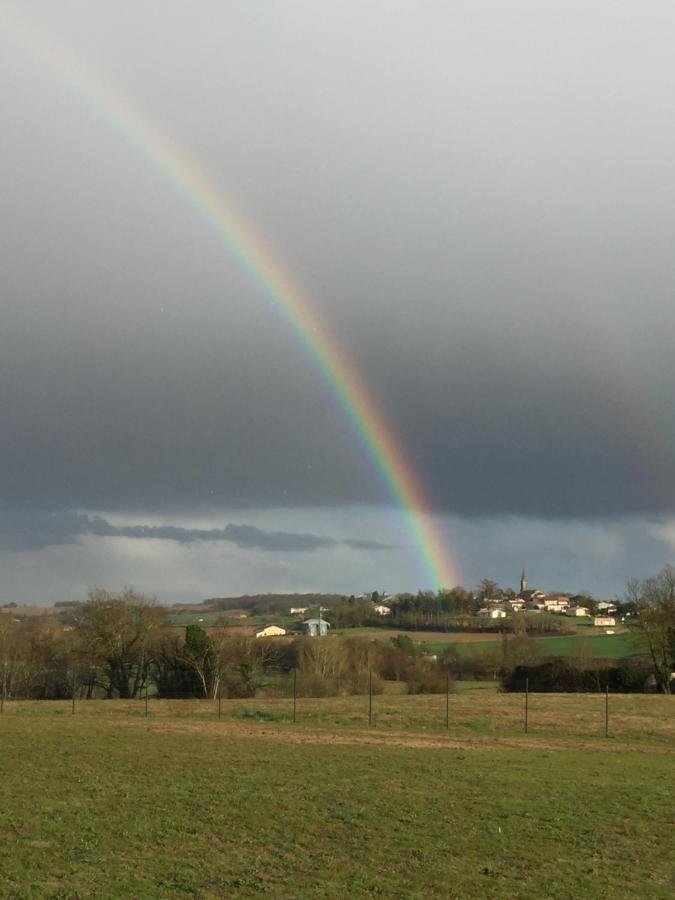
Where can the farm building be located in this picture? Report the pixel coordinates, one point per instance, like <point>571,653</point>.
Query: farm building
<point>381,609</point>
<point>492,613</point>
<point>315,627</point>
<point>270,631</point>
<point>604,621</point>
<point>299,610</point>
<point>576,611</point>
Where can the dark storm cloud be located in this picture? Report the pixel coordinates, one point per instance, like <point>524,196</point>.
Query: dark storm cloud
<point>477,196</point>
<point>26,531</point>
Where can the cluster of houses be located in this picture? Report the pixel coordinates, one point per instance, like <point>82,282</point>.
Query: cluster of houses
<point>526,600</point>
<point>313,627</point>
<point>534,600</point>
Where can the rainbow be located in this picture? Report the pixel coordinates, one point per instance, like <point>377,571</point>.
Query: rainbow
<point>273,279</point>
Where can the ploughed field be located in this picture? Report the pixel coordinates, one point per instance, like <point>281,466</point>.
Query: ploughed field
<point>109,803</point>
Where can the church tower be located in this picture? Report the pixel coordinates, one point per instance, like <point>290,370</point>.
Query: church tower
<point>523,582</point>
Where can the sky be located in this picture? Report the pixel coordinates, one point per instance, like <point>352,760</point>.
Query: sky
<point>476,198</point>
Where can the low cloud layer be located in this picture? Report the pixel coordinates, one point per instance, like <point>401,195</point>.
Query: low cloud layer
<point>28,531</point>
<point>597,556</point>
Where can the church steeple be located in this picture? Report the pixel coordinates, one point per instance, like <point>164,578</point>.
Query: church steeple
<point>523,582</point>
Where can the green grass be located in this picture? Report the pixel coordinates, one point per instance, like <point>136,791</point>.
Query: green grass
<point>600,646</point>
<point>99,805</point>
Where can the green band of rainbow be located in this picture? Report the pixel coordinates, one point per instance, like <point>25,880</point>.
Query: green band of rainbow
<point>257,259</point>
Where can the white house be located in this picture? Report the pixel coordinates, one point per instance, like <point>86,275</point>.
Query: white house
<point>492,613</point>
<point>270,631</point>
<point>381,609</point>
<point>577,611</point>
<point>299,610</point>
<point>556,603</point>
<point>604,621</point>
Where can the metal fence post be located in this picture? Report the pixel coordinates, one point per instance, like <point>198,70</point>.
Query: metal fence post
<point>295,692</point>
<point>527,695</point>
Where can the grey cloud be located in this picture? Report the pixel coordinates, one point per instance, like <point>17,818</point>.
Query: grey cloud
<point>357,544</point>
<point>30,530</point>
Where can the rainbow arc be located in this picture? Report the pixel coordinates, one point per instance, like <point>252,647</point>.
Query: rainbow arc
<point>276,284</point>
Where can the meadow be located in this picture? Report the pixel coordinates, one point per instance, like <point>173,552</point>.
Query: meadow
<point>109,803</point>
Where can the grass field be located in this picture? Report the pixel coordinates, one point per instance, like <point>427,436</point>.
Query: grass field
<point>600,646</point>
<point>107,803</point>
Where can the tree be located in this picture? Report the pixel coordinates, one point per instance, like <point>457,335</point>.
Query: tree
<point>115,633</point>
<point>488,589</point>
<point>655,601</point>
<point>9,661</point>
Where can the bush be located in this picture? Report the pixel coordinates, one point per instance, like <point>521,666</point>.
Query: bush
<point>560,675</point>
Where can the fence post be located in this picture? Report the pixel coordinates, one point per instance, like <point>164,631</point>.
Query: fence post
<point>527,695</point>
<point>73,693</point>
<point>447,700</point>
<point>146,692</point>
<point>370,697</point>
<point>607,709</point>
<point>220,701</point>
<point>295,691</point>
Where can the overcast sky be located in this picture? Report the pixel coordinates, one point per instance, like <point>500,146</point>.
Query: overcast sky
<point>478,197</point>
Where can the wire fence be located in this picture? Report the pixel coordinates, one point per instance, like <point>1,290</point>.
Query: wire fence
<point>364,701</point>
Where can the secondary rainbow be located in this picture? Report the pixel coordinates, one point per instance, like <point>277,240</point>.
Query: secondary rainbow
<point>276,283</point>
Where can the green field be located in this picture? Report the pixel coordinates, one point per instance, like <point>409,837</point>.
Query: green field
<point>107,803</point>
<point>594,646</point>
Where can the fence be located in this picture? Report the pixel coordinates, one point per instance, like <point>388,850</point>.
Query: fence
<point>297,699</point>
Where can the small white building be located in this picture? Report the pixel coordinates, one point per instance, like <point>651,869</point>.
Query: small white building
<point>604,621</point>
<point>299,610</point>
<point>270,631</point>
<point>381,610</point>
<point>577,611</point>
<point>492,613</point>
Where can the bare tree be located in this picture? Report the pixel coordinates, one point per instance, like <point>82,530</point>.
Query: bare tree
<point>114,632</point>
<point>488,590</point>
<point>655,600</point>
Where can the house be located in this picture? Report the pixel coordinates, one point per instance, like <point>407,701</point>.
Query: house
<point>530,596</point>
<point>576,611</point>
<point>492,613</point>
<point>299,610</point>
<point>270,631</point>
<point>604,621</point>
<point>315,627</point>
<point>556,603</point>
<point>517,605</point>
<point>536,605</point>
<point>381,610</point>
<point>607,608</point>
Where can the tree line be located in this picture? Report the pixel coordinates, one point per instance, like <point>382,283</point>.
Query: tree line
<point>120,645</point>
